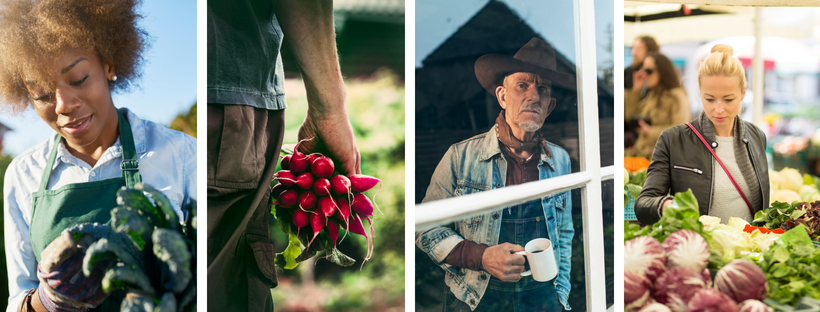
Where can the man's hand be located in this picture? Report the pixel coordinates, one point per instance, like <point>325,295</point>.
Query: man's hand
<point>63,286</point>
<point>502,262</point>
<point>644,127</point>
<point>332,136</point>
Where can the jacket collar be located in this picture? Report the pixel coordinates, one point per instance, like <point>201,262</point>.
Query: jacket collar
<point>490,147</point>
<point>698,123</point>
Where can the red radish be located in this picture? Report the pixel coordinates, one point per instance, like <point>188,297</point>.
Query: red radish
<point>343,211</point>
<point>313,157</point>
<point>322,166</point>
<point>307,200</point>
<point>357,227</point>
<point>327,206</point>
<point>333,231</point>
<point>362,183</point>
<point>362,205</point>
<point>321,187</point>
<point>298,162</point>
<point>285,162</point>
<point>277,190</point>
<point>300,220</point>
<point>288,199</point>
<point>317,222</point>
<point>286,178</point>
<point>305,181</point>
<point>340,184</point>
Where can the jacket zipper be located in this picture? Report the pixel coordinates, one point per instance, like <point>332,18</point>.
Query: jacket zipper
<point>760,183</point>
<point>698,171</point>
<point>711,188</point>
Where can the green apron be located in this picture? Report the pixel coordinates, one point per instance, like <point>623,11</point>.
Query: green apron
<point>77,203</point>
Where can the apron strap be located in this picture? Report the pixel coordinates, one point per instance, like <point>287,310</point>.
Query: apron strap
<point>130,165</point>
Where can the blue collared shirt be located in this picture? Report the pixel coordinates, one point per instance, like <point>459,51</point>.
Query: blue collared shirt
<point>167,160</point>
<point>475,165</point>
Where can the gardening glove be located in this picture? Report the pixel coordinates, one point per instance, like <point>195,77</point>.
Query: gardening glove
<point>63,286</point>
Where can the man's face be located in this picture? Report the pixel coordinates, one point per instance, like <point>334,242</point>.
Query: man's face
<point>526,99</point>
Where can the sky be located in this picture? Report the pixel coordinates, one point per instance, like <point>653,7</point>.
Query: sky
<point>168,84</point>
<point>437,20</point>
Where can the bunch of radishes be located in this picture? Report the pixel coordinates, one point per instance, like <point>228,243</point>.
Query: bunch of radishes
<point>313,194</point>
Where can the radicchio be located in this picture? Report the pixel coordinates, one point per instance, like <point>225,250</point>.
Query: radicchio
<point>687,249</point>
<point>645,255</point>
<point>676,286</point>
<point>655,307</point>
<point>711,300</point>
<point>753,305</point>
<point>741,280</point>
<point>636,290</point>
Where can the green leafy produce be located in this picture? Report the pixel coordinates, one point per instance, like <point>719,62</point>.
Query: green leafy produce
<point>131,222</point>
<point>681,214</point>
<point>138,304</point>
<point>154,254</point>
<point>638,178</point>
<point>170,248</point>
<point>784,216</point>
<point>129,277</point>
<point>792,267</point>
<point>105,250</point>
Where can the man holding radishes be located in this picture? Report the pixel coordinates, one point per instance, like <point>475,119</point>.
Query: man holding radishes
<point>481,255</point>
<point>246,103</point>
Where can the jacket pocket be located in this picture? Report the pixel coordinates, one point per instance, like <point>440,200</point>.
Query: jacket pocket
<point>693,170</point>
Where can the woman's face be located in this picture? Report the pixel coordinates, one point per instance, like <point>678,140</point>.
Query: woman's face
<point>653,77</point>
<point>80,107</point>
<point>721,97</point>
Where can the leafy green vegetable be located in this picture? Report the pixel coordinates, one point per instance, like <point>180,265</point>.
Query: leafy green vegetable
<point>136,199</point>
<point>127,277</point>
<point>792,267</point>
<point>682,213</point>
<point>170,248</point>
<point>132,222</point>
<point>638,178</point>
<point>137,304</point>
<point>164,206</point>
<point>633,230</point>
<point>104,250</point>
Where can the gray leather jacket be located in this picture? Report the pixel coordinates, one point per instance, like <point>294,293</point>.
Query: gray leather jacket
<point>681,162</point>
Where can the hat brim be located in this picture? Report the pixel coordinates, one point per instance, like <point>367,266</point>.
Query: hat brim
<point>490,68</point>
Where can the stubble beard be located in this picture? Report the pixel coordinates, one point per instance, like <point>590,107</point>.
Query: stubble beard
<point>529,126</point>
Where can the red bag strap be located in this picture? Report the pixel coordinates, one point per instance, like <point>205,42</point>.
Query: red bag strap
<point>724,168</point>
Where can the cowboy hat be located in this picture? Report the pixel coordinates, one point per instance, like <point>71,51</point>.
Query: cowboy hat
<point>537,56</point>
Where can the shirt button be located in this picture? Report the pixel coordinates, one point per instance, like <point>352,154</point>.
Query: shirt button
<point>537,219</point>
<point>472,301</point>
<point>714,144</point>
<point>482,276</point>
<point>93,174</point>
<point>497,185</point>
<point>495,215</point>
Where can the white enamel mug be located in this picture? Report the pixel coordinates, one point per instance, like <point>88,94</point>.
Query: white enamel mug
<point>542,260</point>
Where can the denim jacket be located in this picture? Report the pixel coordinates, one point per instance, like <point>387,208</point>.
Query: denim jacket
<point>477,165</point>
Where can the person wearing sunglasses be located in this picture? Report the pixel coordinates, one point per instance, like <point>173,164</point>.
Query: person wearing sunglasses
<point>720,157</point>
<point>664,105</point>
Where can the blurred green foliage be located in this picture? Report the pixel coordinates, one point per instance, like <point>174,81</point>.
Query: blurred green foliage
<point>376,109</point>
<point>185,122</point>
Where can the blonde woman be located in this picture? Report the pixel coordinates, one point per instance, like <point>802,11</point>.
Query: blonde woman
<point>719,156</point>
<point>664,105</point>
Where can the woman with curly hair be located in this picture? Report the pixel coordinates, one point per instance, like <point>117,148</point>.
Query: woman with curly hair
<point>65,59</point>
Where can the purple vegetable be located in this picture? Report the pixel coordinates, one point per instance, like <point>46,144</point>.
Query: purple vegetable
<point>676,286</point>
<point>742,280</point>
<point>645,255</point>
<point>636,290</point>
<point>687,249</point>
<point>711,300</point>
<point>753,305</point>
<point>655,307</point>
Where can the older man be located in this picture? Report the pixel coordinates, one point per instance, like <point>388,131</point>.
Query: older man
<point>478,253</point>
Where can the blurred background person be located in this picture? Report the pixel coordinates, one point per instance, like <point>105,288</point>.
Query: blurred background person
<point>643,45</point>
<point>664,105</point>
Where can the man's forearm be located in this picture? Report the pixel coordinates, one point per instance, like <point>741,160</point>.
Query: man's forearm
<point>309,30</point>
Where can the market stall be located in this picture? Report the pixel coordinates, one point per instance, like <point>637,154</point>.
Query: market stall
<point>689,262</point>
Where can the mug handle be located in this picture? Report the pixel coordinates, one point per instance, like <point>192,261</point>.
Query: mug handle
<point>527,272</point>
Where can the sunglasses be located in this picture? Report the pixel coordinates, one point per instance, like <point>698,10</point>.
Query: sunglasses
<point>648,71</point>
